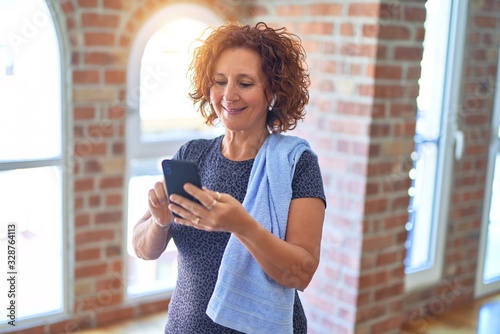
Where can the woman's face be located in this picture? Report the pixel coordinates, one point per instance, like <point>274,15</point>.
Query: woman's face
<point>238,93</point>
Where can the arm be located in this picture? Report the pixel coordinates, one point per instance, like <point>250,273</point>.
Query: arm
<point>291,262</point>
<point>152,232</point>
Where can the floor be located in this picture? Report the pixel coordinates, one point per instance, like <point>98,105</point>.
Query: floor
<point>480,317</point>
<point>153,324</point>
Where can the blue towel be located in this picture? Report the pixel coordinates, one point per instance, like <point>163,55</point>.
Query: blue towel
<point>245,298</point>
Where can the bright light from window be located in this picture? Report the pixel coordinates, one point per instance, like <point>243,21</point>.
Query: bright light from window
<point>165,108</point>
<point>31,183</point>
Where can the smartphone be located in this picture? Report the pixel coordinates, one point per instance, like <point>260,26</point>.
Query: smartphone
<point>179,172</point>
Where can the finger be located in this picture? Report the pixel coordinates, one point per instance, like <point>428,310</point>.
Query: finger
<point>204,196</point>
<point>161,193</point>
<point>185,217</point>
<point>153,198</point>
<point>214,194</point>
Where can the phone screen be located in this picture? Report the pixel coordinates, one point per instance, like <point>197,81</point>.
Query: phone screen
<point>179,172</point>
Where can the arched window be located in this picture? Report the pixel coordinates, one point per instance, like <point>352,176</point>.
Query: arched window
<point>161,118</point>
<point>32,162</point>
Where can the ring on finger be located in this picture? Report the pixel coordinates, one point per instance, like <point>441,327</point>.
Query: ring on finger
<point>212,205</point>
<point>196,221</point>
<point>219,196</point>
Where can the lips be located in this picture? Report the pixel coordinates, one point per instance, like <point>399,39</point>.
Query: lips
<point>234,111</point>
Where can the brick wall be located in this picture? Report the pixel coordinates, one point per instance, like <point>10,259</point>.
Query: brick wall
<point>364,62</point>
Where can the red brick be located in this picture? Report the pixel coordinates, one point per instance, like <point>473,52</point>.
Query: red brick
<point>100,20</point>
<point>83,185</point>
<point>99,58</point>
<point>117,112</point>
<point>316,28</point>
<point>87,3</point>
<point>364,9</point>
<point>85,77</point>
<point>371,30</point>
<point>387,258</point>
<point>390,32</point>
<point>114,199</point>
<point>99,39</point>
<point>358,50</point>
<point>87,254</point>
<point>97,132</point>
<point>115,77</point>
<point>408,53</point>
<point>118,148</point>
<point>67,7</point>
<point>326,9</point>
<point>347,29</point>
<point>485,22</point>
<point>94,236</point>
<point>290,10</point>
<point>108,217</point>
<point>114,4</point>
<point>415,14</point>
<point>82,220</point>
<point>111,182</point>
<point>370,280</point>
<point>385,71</point>
<point>94,201</point>
<point>92,167</point>
<point>90,270</point>
<point>377,242</point>
<point>87,148</point>
<point>83,113</point>
<point>256,10</point>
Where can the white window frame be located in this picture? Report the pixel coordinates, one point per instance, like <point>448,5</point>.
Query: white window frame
<point>451,144</point>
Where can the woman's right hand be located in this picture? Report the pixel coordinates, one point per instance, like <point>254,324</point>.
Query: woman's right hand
<point>158,204</point>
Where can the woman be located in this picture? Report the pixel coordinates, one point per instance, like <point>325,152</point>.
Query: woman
<point>254,237</point>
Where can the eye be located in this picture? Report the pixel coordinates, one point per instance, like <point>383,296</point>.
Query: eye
<point>246,85</point>
<point>219,83</point>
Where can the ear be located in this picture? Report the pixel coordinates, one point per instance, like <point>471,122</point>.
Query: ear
<point>271,104</point>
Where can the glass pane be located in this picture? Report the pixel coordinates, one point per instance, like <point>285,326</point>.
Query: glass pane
<point>421,208</point>
<point>491,262</point>
<point>166,111</point>
<point>421,225</point>
<point>30,82</point>
<point>31,198</point>
<point>147,276</point>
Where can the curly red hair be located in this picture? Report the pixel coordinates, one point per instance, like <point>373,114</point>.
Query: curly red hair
<point>283,63</point>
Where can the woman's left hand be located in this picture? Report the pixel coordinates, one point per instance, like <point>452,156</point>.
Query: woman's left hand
<point>214,212</point>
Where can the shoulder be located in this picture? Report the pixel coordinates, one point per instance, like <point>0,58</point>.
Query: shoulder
<point>195,148</point>
<point>307,178</point>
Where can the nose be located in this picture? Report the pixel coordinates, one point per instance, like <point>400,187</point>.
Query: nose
<point>230,92</point>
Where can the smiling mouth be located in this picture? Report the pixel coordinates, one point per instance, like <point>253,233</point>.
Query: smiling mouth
<point>234,110</point>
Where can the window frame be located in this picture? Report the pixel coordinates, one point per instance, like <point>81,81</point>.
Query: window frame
<point>450,146</point>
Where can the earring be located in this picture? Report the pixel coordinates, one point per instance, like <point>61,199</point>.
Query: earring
<point>271,105</point>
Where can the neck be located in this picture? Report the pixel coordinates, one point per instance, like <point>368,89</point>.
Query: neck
<point>240,146</point>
